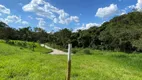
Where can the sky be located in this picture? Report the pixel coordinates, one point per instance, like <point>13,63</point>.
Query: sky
<point>54,15</point>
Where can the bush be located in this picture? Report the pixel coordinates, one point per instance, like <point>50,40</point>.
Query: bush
<point>19,44</point>
<point>24,44</point>
<point>87,51</point>
<point>74,51</point>
<point>9,42</point>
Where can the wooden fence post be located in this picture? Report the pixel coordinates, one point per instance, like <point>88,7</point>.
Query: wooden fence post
<point>69,62</point>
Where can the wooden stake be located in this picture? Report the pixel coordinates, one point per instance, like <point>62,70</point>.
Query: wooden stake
<point>69,62</point>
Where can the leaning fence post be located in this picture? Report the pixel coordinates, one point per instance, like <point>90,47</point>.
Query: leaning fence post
<point>69,62</point>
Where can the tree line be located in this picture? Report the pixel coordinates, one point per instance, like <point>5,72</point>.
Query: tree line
<point>122,33</point>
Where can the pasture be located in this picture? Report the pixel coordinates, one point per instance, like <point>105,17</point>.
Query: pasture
<point>18,63</point>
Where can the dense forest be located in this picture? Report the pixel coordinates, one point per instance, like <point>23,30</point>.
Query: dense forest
<point>122,33</point>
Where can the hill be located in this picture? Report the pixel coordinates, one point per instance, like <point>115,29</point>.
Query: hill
<point>123,33</point>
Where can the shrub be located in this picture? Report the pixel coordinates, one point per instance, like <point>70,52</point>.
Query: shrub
<point>12,43</point>
<point>19,43</point>
<point>24,44</point>
<point>74,51</point>
<point>87,51</point>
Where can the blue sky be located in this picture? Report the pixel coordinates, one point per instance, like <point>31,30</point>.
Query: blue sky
<point>53,15</point>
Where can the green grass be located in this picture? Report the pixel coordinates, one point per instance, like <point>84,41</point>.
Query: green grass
<point>24,64</point>
<point>28,45</point>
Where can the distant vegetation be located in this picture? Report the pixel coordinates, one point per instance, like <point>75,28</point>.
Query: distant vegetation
<point>122,33</point>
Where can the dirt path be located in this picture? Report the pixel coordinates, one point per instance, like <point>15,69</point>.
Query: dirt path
<point>55,51</point>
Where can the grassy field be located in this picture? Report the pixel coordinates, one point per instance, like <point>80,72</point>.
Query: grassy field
<point>24,64</point>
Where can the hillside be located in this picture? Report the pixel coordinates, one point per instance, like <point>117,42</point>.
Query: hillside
<point>123,33</point>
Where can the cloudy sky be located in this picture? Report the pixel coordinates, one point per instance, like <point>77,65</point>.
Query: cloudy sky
<point>53,15</point>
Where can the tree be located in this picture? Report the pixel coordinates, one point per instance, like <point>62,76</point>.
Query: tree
<point>63,37</point>
<point>25,33</point>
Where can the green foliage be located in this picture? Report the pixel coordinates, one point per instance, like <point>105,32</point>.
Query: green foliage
<point>62,37</point>
<point>87,51</point>
<point>121,31</point>
<point>74,50</point>
<point>2,25</point>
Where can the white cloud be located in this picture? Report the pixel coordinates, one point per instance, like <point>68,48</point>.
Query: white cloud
<point>11,18</point>
<point>91,25</point>
<point>45,9</point>
<point>25,23</point>
<point>68,20</point>
<point>41,23</point>
<point>131,7</point>
<point>86,26</point>
<point>55,20</point>
<point>40,7</point>
<point>4,10</point>
<point>139,5</point>
<point>123,12</point>
<point>107,11</point>
<point>14,19</point>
